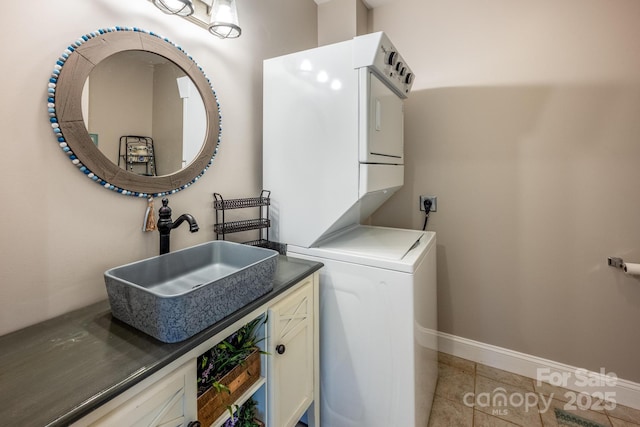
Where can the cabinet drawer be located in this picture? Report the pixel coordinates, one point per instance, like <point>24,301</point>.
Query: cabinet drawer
<point>167,403</point>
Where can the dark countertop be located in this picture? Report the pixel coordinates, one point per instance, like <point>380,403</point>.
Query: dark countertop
<point>55,372</point>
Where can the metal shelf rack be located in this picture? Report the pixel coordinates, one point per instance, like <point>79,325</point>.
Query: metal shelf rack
<point>222,227</point>
<point>137,154</point>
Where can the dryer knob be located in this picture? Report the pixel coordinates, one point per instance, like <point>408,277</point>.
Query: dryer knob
<point>409,79</point>
<point>399,66</point>
<point>402,71</point>
<point>392,58</point>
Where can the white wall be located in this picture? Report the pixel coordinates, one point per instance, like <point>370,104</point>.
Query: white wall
<point>525,122</point>
<point>61,231</point>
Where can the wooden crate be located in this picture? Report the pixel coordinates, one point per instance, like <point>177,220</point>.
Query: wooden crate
<point>212,404</point>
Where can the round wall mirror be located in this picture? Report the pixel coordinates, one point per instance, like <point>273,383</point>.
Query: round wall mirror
<point>134,112</point>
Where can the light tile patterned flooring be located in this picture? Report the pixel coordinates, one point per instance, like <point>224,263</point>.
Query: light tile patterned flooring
<point>457,377</point>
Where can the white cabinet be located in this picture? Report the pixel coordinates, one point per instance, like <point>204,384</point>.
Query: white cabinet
<point>293,362</point>
<point>169,397</point>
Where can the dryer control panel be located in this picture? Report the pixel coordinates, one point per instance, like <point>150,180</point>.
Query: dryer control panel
<point>376,52</point>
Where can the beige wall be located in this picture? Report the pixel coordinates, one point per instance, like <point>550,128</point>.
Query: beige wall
<point>525,122</point>
<point>340,20</point>
<point>61,231</point>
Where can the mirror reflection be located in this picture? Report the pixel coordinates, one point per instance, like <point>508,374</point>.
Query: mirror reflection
<point>144,113</point>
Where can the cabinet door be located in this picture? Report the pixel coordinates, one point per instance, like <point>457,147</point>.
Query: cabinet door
<point>291,364</point>
<point>168,403</point>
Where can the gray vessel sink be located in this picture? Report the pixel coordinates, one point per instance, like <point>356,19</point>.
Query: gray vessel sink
<point>176,295</point>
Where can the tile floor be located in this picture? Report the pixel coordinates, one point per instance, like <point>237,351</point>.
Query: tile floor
<point>459,378</point>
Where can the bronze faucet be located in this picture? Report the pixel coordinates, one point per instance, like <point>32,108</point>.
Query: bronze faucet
<point>165,225</point>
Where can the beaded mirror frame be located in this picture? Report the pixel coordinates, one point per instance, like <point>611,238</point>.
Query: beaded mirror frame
<point>64,103</point>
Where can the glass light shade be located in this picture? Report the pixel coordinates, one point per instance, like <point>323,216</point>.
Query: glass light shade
<point>175,7</point>
<point>224,19</point>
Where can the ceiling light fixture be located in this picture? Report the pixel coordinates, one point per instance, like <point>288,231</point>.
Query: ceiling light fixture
<point>224,19</point>
<point>175,7</point>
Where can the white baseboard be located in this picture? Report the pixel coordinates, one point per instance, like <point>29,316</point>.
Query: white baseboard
<point>625,392</point>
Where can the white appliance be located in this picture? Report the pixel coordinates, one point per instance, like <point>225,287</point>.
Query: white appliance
<point>333,153</point>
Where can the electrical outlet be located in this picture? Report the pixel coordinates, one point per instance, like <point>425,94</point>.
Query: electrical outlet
<point>434,203</point>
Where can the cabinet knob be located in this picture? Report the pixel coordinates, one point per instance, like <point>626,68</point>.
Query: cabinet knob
<point>280,348</point>
<point>194,424</point>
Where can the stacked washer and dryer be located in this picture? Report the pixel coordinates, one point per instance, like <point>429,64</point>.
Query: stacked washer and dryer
<point>333,153</point>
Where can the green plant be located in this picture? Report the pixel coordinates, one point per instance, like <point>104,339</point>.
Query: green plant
<point>226,355</point>
<point>244,416</point>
